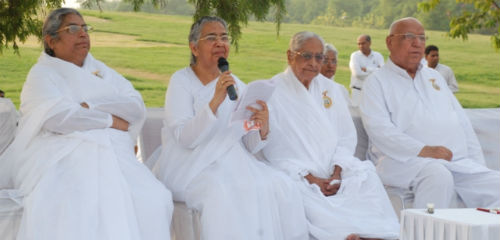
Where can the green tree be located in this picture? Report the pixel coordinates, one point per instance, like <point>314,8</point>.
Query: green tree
<point>21,19</point>
<point>237,12</point>
<point>475,15</point>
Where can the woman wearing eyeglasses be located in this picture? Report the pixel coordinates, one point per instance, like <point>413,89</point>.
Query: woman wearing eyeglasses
<point>206,161</point>
<point>313,140</point>
<point>329,68</point>
<point>72,165</point>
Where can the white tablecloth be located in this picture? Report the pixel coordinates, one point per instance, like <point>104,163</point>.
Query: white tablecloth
<point>449,224</point>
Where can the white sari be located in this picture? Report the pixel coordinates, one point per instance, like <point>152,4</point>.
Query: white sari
<point>309,136</point>
<point>77,178</point>
<point>205,163</point>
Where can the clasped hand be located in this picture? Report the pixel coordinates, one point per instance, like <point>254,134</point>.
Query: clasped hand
<point>324,184</point>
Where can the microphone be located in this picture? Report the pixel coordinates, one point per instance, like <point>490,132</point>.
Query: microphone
<point>224,66</point>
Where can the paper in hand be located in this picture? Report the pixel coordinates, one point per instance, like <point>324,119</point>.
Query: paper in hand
<point>256,90</point>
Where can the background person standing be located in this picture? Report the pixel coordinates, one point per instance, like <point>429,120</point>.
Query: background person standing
<point>363,62</point>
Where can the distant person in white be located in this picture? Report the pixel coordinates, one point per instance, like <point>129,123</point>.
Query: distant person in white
<point>432,58</point>
<point>363,62</point>
<point>313,139</point>
<point>208,163</point>
<point>73,159</point>
<point>329,68</point>
<point>420,137</point>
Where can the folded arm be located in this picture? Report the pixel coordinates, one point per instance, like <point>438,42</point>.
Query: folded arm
<point>78,118</point>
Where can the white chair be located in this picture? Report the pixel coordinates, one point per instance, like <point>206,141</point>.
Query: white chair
<point>8,123</point>
<point>185,221</point>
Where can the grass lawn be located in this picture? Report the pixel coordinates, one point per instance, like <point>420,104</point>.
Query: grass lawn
<point>148,48</point>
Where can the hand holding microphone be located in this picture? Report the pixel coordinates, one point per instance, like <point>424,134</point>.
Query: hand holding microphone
<point>223,86</point>
<point>223,67</point>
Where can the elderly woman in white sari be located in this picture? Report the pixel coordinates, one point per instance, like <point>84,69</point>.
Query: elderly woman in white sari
<point>329,68</point>
<point>313,140</point>
<point>206,161</point>
<point>73,160</point>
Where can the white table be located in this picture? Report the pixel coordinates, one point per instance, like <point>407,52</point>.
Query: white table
<point>449,224</point>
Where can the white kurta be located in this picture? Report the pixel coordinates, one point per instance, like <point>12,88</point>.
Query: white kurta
<point>308,137</point>
<point>401,115</point>
<point>205,163</point>
<point>449,76</point>
<point>358,60</point>
<point>79,177</point>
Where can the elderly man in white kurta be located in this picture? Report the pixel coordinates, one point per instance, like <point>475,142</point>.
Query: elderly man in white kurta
<point>363,62</point>
<point>420,137</point>
<point>313,140</point>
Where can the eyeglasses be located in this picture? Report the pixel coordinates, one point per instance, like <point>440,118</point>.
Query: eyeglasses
<point>327,60</point>
<point>212,38</point>
<point>308,56</point>
<point>73,28</point>
<point>411,36</point>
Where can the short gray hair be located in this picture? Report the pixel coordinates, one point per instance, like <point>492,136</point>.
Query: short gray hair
<point>330,48</point>
<point>300,38</point>
<point>53,23</point>
<point>195,33</point>
<point>395,23</point>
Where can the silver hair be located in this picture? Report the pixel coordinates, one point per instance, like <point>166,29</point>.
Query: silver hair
<point>395,23</point>
<point>330,48</point>
<point>195,33</point>
<point>53,23</point>
<point>300,38</point>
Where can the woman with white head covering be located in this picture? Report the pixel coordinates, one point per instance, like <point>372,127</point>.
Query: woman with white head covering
<point>72,163</point>
<point>206,161</point>
<point>313,139</point>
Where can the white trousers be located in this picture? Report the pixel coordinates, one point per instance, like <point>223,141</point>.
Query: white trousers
<point>436,184</point>
<point>356,96</point>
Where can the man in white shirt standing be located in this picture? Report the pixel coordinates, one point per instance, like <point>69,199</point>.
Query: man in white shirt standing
<point>420,137</point>
<point>363,62</point>
<point>432,58</point>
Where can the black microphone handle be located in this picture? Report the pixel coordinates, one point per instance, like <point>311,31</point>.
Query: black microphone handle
<point>231,91</point>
